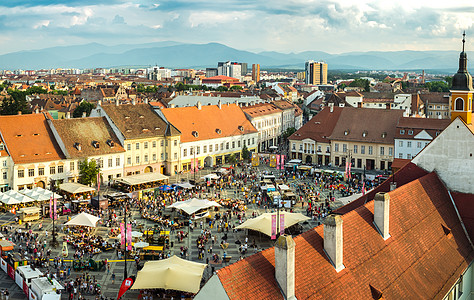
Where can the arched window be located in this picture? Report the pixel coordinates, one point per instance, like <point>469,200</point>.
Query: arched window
<point>459,104</point>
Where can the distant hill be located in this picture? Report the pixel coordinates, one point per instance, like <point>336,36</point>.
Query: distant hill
<point>179,55</point>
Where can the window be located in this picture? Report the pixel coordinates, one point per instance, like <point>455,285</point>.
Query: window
<point>390,151</point>
<point>71,166</point>
<point>382,150</point>
<point>301,147</point>
<point>233,145</point>
<point>400,155</point>
<point>210,148</point>
<point>344,148</point>
<point>4,163</point>
<point>137,159</point>
<point>216,148</point>
<point>117,161</point>
<point>402,131</point>
<point>400,143</point>
<point>145,145</point>
<point>294,146</point>
<point>175,142</point>
<point>355,149</point>
<point>52,170</point>
<point>362,149</point>
<point>162,143</point>
<point>410,132</point>
<point>459,104</point>
<point>154,156</point>
<point>227,145</point>
<point>175,155</point>
<point>191,151</point>
<point>409,144</point>
<point>21,173</point>
<point>370,150</point>
<point>238,144</point>
<point>111,162</point>
<point>162,156</point>
<point>5,176</point>
<point>409,156</point>
<point>129,147</point>
<point>418,144</point>
<point>204,149</point>
<point>137,146</point>
<point>153,144</point>
<point>222,146</point>
<point>185,152</point>
<point>336,147</point>
<point>166,156</point>
<point>146,158</point>
<point>60,169</point>
<point>166,143</point>
<point>31,172</point>
<point>129,160</point>
<point>253,141</point>
<point>41,171</point>
<point>198,150</point>
<point>328,149</point>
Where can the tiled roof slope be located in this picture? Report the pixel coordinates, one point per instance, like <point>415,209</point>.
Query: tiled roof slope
<point>261,109</point>
<point>375,122</point>
<point>320,127</point>
<point>138,121</point>
<point>84,131</point>
<point>29,138</point>
<point>465,205</point>
<point>207,120</point>
<point>411,264</point>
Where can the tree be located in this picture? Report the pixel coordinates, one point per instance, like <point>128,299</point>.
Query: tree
<point>437,86</point>
<point>245,153</point>
<point>88,171</point>
<point>232,159</point>
<point>15,103</point>
<point>35,90</point>
<point>288,132</point>
<point>363,83</point>
<point>236,88</point>
<point>222,89</point>
<point>83,107</point>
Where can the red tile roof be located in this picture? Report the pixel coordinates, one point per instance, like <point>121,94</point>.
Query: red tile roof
<point>29,138</point>
<point>465,205</point>
<point>411,264</point>
<point>320,127</point>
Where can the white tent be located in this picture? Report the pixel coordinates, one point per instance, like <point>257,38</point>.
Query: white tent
<point>84,219</point>
<point>140,245</point>
<point>193,205</point>
<point>263,223</point>
<point>210,176</point>
<point>46,194</point>
<point>135,234</point>
<point>8,200</point>
<point>20,197</point>
<point>173,273</point>
<point>75,188</point>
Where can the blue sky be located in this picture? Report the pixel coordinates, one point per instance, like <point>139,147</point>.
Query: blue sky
<point>333,26</point>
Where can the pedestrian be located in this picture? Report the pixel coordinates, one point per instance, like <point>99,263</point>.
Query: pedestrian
<point>113,278</point>
<point>7,294</point>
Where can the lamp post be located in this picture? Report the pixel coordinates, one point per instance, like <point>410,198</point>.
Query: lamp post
<point>54,243</point>
<point>125,248</point>
<point>278,207</point>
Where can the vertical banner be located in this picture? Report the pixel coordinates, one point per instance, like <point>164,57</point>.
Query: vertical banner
<point>98,182</point>
<point>129,236</point>
<point>126,285</point>
<point>55,214</point>
<point>282,162</point>
<point>274,225</point>
<point>349,175</point>
<point>51,207</point>
<point>122,234</point>
<point>282,224</point>
<point>278,161</point>
<point>196,165</point>
<point>192,166</point>
<point>363,188</point>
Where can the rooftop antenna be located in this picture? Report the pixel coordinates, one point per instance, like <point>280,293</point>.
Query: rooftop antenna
<point>463,40</point>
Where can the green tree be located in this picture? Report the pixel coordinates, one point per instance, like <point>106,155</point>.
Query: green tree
<point>88,171</point>
<point>222,89</point>
<point>232,159</point>
<point>245,153</point>
<point>15,103</point>
<point>83,107</point>
<point>363,83</point>
<point>236,88</point>
<point>288,132</point>
<point>36,90</point>
<point>437,86</point>
<point>449,80</point>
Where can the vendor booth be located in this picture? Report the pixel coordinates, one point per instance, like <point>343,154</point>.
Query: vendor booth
<point>29,213</point>
<point>140,182</point>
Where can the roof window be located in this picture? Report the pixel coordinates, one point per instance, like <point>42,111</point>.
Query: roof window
<point>110,143</point>
<point>384,135</point>
<point>195,134</point>
<point>77,146</point>
<point>36,134</point>
<point>241,128</point>
<point>346,132</point>
<point>218,131</point>
<point>402,131</point>
<point>95,144</point>
<point>410,132</point>
<point>364,134</point>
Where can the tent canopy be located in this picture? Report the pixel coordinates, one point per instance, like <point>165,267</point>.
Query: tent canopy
<point>75,188</point>
<point>8,200</point>
<point>193,205</point>
<point>210,176</point>
<point>142,178</point>
<point>84,219</point>
<point>263,223</point>
<point>184,185</point>
<point>172,273</point>
<point>18,196</point>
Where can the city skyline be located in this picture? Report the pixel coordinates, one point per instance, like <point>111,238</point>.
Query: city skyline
<point>285,26</point>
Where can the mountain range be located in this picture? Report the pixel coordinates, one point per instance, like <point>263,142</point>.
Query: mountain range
<point>181,55</point>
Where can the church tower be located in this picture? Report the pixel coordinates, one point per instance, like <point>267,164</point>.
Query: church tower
<point>461,103</point>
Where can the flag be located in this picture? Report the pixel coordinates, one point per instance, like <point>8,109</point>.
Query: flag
<point>349,174</point>
<point>122,234</point>
<point>129,236</point>
<point>51,207</point>
<point>192,166</point>
<point>55,215</point>
<point>278,161</point>
<point>363,188</point>
<point>274,217</point>
<point>98,181</point>
<point>347,168</point>
<point>282,162</point>
<point>282,224</point>
<point>126,284</point>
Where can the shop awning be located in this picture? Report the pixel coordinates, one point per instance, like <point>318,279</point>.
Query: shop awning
<point>75,188</point>
<point>142,178</point>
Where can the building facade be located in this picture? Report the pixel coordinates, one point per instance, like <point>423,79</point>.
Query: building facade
<point>316,72</point>
<point>267,119</point>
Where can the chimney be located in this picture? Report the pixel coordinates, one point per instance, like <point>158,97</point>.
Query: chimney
<point>382,213</point>
<point>68,115</point>
<point>99,102</point>
<point>145,100</point>
<point>134,102</point>
<point>219,104</point>
<point>331,107</point>
<point>393,185</point>
<point>198,104</point>
<point>285,265</point>
<point>333,240</point>
<point>359,104</point>
<point>37,110</point>
<point>84,114</point>
<point>116,102</point>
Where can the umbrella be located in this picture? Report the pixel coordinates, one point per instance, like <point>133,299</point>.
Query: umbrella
<point>84,219</point>
<point>193,205</point>
<point>263,223</point>
<point>141,245</point>
<point>135,234</point>
<point>165,188</point>
<point>273,147</point>
<point>172,273</point>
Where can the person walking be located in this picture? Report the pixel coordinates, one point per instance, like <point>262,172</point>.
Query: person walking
<point>113,278</point>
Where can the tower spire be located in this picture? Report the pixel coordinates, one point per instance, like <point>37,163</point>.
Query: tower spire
<point>463,40</point>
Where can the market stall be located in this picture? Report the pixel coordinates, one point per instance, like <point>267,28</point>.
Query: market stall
<point>140,182</point>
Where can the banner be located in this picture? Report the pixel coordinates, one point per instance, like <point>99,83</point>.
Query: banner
<point>122,234</point>
<point>192,166</point>
<point>278,161</point>
<point>126,285</point>
<point>55,214</point>
<point>129,236</point>
<point>349,174</point>
<point>282,162</point>
<point>274,225</point>
<point>51,207</point>
<point>98,182</point>
<point>282,224</point>
<point>363,188</point>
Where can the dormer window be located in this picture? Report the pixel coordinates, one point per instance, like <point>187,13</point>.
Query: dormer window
<point>195,134</point>
<point>218,131</point>
<point>346,132</point>
<point>364,134</point>
<point>241,128</point>
<point>127,117</point>
<point>141,116</point>
<point>410,132</point>
<point>110,143</point>
<point>402,131</point>
<point>77,146</point>
<point>384,135</point>
<point>157,128</point>
<point>36,134</point>
<point>2,147</point>
<point>95,144</point>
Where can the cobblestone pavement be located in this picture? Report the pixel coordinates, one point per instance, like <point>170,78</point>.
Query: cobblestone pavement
<point>110,290</point>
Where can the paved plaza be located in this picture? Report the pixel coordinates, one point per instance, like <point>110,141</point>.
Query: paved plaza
<point>104,278</point>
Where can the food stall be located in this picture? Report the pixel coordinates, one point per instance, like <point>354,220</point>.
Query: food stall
<point>29,213</point>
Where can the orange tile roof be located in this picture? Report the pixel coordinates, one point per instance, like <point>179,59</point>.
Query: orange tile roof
<point>29,138</point>
<point>207,120</point>
<point>261,109</point>
<point>411,264</point>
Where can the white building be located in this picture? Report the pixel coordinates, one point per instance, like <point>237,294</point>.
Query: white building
<point>267,118</point>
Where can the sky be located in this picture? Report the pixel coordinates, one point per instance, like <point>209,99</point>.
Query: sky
<point>333,26</point>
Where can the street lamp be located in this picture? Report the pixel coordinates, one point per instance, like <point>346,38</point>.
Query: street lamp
<point>278,206</point>
<point>125,248</point>
<point>54,243</point>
